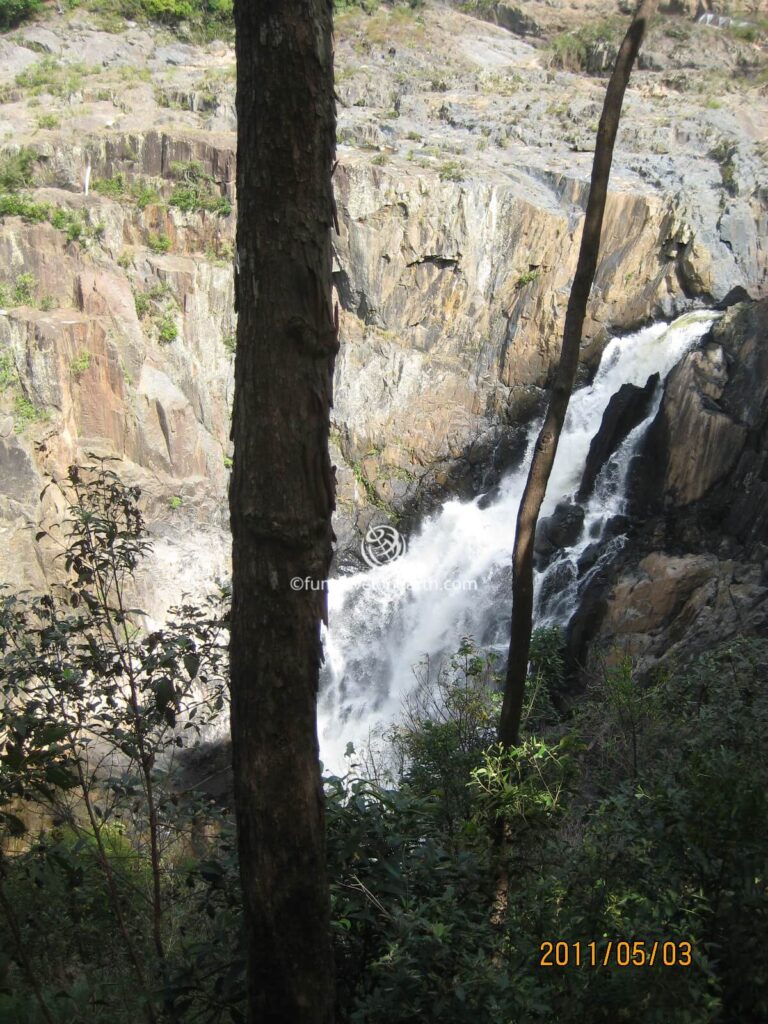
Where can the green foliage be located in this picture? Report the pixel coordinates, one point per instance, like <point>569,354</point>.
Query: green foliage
<point>221,253</point>
<point>196,191</point>
<point>13,12</point>
<point>145,194</point>
<point>201,19</point>
<point>54,78</point>
<point>48,121</point>
<point>92,709</point>
<point>25,413</point>
<point>139,191</point>
<point>142,303</point>
<point>74,223</point>
<point>8,373</point>
<point>364,5</point>
<point>159,243</point>
<point>723,153</point>
<point>448,721</point>
<point>158,307</point>
<point>167,331</point>
<point>570,50</point>
<point>20,293</point>
<point>526,278</point>
<point>17,170</point>
<point>645,821</point>
<point>12,205</point>
<point>80,364</point>
<point>113,187</point>
<point>451,170</point>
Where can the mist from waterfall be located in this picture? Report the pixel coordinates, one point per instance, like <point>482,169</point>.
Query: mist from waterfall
<point>454,580</point>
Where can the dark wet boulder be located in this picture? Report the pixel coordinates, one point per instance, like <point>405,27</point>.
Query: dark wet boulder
<point>560,530</point>
<point>626,409</point>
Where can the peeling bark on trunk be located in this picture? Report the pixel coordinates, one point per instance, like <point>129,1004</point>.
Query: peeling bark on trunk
<point>547,442</point>
<point>282,496</point>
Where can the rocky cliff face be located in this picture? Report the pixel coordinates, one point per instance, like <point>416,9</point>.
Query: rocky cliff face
<point>464,156</point>
<point>694,570</point>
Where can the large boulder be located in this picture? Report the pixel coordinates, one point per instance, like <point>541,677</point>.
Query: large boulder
<point>626,409</point>
<point>560,530</point>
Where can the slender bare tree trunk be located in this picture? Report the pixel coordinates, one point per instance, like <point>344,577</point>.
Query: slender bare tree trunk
<point>546,444</point>
<point>282,496</point>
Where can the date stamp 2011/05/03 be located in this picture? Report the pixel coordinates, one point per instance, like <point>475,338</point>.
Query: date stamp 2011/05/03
<point>611,953</point>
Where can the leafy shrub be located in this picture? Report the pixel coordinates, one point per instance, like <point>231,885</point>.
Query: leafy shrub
<point>723,154</point>
<point>12,205</point>
<point>570,50</point>
<point>24,289</point>
<point>196,191</point>
<point>206,18</point>
<point>366,5</point>
<point>452,170</point>
<point>167,331</point>
<point>17,170</point>
<point>13,12</point>
<point>646,822</point>
<point>49,121</point>
<point>55,78</point>
<point>80,364</point>
<point>159,243</point>
<point>91,707</point>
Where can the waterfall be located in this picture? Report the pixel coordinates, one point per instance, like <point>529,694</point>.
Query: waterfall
<point>454,579</point>
<point>722,21</point>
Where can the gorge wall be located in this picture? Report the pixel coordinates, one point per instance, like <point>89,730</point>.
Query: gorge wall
<point>694,570</point>
<point>464,156</point>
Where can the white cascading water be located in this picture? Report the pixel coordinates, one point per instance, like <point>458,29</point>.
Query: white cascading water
<point>455,578</point>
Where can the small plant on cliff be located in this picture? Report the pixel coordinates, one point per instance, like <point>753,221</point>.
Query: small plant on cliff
<point>159,243</point>
<point>570,50</point>
<point>8,373</point>
<point>196,191</point>
<point>167,331</point>
<point>527,277</point>
<point>49,121</point>
<point>723,154</point>
<point>220,253</point>
<point>80,364</point>
<point>451,171</point>
<point>12,205</point>
<point>24,290</point>
<point>17,170</point>
<point>114,187</point>
<point>25,413</point>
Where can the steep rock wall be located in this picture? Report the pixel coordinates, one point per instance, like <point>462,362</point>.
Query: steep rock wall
<point>460,196</point>
<point>694,568</point>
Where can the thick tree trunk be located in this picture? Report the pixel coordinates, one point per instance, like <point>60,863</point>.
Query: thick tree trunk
<point>282,496</point>
<point>546,444</point>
